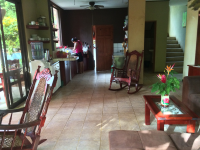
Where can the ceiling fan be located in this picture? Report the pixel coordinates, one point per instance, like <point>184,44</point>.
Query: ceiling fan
<point>92,6</point>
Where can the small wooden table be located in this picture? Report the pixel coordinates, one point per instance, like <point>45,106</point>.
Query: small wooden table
<point>176,113</point>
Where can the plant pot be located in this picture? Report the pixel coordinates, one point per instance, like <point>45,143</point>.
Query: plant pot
<point>165,100</point>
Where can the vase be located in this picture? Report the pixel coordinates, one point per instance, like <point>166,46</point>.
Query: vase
<point>165,100</point>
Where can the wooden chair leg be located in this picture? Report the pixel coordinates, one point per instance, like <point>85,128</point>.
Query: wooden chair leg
<point>37,140</point>
<point>120,85</point>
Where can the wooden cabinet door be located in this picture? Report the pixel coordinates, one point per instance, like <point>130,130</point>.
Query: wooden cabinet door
<point>67,72</point>
<point>104,47</point>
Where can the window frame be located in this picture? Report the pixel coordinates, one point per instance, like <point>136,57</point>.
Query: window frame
<point>53,5</point>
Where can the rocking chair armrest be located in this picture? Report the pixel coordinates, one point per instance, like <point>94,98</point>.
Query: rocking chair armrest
<point>20,126</point>
<point>11,110</point>
<point>117,68</point>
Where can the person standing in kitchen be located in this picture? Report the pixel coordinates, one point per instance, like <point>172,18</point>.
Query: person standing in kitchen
<point>79,52</point>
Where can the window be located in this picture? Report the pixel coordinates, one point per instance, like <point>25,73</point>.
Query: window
<point>55,19</point>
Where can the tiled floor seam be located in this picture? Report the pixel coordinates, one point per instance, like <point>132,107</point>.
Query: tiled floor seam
<point>63,128</point>
<point>83,125</point>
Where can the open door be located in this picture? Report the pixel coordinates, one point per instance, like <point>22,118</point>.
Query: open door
<point>13,68</point>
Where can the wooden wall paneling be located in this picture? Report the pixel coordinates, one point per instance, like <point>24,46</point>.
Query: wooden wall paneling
<point>82,25</point>
<point>197,56</point>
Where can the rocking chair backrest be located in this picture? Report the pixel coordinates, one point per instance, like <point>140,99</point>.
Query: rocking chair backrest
<point>39,96</point>
<point>134,62</point>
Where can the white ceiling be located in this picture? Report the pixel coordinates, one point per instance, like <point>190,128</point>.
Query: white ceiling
<point>75,4</point>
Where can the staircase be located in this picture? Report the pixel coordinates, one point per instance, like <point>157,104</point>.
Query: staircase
<point>174,54</point>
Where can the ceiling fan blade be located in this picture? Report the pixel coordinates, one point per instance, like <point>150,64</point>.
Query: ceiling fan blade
<point>99,6</point>
<point>96,7</point>
<point>84,5</point>
<point>87,7</point>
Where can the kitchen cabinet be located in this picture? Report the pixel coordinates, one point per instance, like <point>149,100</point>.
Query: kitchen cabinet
<point>103,34</point>
<point>73,68</point>
<point>65,72</point>
<point>68,69</point>
<point>86,61</point>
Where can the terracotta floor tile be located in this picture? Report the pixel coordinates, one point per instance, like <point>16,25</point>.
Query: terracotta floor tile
<point>92,124</point>
<point>66,145</point>
<point>77,117</point>
<point>95,110</point>
<point>110,110</point>
<point>125,110</point>
<point>94,117</point>
<point>88,145</point>
<point>90,134</point>
<point>73,124</point>
<point>70,134</point>
<point>47,145</point>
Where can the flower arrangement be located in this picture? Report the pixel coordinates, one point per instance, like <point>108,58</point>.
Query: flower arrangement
<point>168,82</point>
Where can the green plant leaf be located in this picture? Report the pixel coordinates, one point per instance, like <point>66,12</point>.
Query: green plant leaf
<point>155,87</point>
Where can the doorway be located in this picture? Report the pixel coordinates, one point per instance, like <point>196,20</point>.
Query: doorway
<point>149,45</point>
<point>13,63</point>
<point>103,46</point>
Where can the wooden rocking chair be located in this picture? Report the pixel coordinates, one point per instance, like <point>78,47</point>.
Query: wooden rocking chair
<point>130,74</point>
<point>26,134</point>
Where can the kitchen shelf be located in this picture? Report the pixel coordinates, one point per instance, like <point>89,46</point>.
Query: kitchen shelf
<point>32,41</point>
<point>125,28</point>
<point>55,41</point>
<point>125,39</point>
<point>54,29</point>
<point>37,27</point>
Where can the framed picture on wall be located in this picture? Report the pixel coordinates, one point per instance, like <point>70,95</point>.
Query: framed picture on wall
<point>184,20</point>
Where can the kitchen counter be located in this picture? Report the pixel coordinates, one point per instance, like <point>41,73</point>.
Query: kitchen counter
<point>65,59</point>
<point>119,54</point>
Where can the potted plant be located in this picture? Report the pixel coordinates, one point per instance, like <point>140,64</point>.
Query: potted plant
<point>168,83</point>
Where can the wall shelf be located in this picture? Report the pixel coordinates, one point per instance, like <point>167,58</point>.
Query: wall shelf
<point>55,41</point>
<point>54,29</point>
<point>125,28</point>
<point>33,41</point>
<point>37,27</point>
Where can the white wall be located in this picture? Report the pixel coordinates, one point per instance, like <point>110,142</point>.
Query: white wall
<point>175,24</point>
<point>190,39</point>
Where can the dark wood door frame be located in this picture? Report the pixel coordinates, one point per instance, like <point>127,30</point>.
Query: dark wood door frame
<point>154,46</point>
<point>197,54</point>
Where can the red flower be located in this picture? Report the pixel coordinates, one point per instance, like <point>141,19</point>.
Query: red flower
<point>163,79</point>
<point>166,100</point>
<point>60,47</point>
<point>65,47</point>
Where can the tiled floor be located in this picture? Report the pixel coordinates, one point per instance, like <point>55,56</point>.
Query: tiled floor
<point>82,113</point>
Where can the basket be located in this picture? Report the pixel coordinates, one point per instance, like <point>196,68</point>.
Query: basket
<point>37,50</point>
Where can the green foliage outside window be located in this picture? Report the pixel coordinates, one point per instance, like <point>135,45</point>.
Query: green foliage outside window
<point>10,28</point>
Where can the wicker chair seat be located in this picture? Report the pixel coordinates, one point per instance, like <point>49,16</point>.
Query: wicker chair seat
<point>7,143</point>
